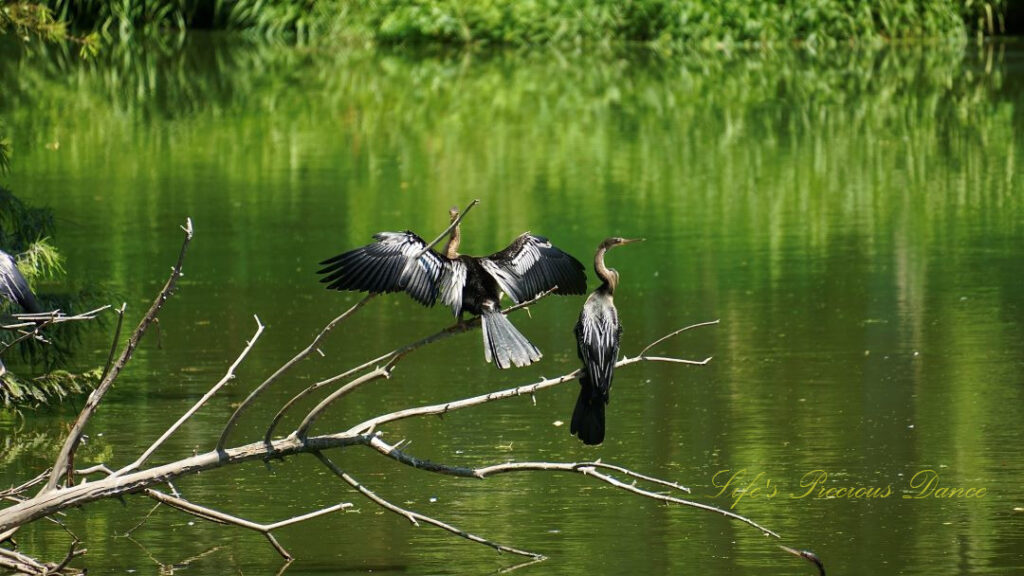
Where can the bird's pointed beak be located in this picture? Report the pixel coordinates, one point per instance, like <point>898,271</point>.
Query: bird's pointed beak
<point>807,555</point>
<point>632,240</point>
<point>792,551</point>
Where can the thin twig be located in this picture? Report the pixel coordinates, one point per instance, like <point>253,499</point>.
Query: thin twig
<point>72,553</point>
<point>29,320</point>
<point>677,360</point>
<point>20,563</point>
<point>230,425</point>
<point>585,468</point>
<point>25,485</point>
<point>590,471</point>
<point>525,390</point>
<point>228,376</point>
<point>113,342</point>
<point>415,517</point>
<point>393,451</point>
<point>142,522</point>
<point>67,452</point>
<point>24,335</point>
<point>509,569</point>
<point>446,230</point>
<point>224,518</point>
<point>674,333</point>
<point>315,413</point>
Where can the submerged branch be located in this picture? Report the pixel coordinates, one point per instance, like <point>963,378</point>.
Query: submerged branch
<point>415,517</point>
<point>223,518</point>
<point>585,468</point>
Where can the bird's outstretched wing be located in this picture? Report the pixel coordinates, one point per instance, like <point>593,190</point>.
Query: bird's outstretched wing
<point>530,265</point>
<point>13,285</point>
<point>453,280</point>
<point>387,265</point>
<point>597,342</point>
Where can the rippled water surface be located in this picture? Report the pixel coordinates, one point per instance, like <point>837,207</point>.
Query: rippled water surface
<point>854,220</point>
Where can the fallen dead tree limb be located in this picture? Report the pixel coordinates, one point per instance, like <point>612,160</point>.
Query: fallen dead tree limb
<point>142,477</point>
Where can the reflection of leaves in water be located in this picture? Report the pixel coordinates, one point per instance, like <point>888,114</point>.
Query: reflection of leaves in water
<point>43,447</point>
<point>546,113</point>
<point>55,385</point>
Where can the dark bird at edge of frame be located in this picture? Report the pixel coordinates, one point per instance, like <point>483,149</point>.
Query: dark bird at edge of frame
<point>597,344</point>
<point>397,262</point>
<point>14,287</point>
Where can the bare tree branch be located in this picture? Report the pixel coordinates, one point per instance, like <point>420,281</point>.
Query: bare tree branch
<point>75,436</point>
<point>585,468</point>
<point>113,342</point>
<point>674,333</point>
<point>221,517</point>
<point>448,229</point>
<point>26,335</point>
<point>287,366</point>
<point>29,320</point>
<point>134,478</point>
<point>313,414</point>
<point>73,552</point>
<point>415,517</point>
<point>17,490</point>
<point>228,376</point>
<point>20,563</point>
<point>395,453</point>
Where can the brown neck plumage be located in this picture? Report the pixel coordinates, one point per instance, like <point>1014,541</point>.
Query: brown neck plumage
<point>609,277</point>
<point>451,250</point>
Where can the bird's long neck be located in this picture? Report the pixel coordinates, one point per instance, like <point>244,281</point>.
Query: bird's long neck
<point>609,278</point>
<point>451,250</point>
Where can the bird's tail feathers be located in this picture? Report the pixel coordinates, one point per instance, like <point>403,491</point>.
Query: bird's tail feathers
<point>504,344</point>
<point>28,302</point>
<point>588,416</point>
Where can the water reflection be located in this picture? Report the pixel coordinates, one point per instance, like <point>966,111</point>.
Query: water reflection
<point>854,220</point>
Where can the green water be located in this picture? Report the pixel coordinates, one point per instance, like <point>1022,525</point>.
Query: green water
<point>854,219</point>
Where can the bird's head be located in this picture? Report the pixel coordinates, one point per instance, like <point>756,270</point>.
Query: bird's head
<point>618,241</point>
<point>807,555</point>
<point>453,213</point>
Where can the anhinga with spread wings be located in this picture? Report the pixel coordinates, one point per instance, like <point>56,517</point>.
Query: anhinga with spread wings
<point>597,343</point>
<point>399,261</point>
<point>14,287</point>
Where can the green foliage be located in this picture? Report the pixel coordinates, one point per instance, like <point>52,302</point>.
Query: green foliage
<point>662,23</point>
<point>21,225</point>
<point>5,153</point>
<point>124,19</point>
<point>41,261</point>
<point>666,22</point>
<point>23,232</point>
<point>52,386</point>
<point>18,447</point>
<point>27,19</point>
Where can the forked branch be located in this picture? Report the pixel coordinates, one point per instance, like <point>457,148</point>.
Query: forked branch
<point>136,478</point>
<point>78,429</point>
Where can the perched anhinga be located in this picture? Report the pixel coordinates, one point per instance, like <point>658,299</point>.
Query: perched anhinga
<point>14,287</point>
<point>597,343</point>
<point>528,266</point>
